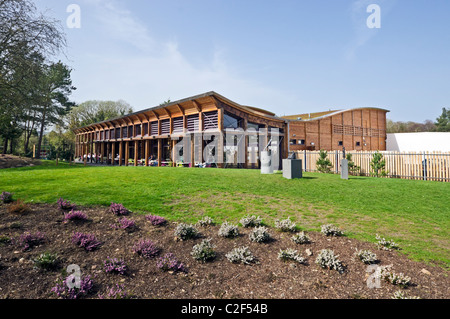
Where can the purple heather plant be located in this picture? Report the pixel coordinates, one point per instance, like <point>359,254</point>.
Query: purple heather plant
<point>169,262</point>
<point>118,209</point>
<point>116,292</point>
<point>146,248</point>
<point>29,240</point>
<point>75,216</point>
<point>6,197</point>
<point>86,241</point>
<point>156,220</point>
<point>65,204</point>
<point>63,291</point>
<point>114,265</point>
<point>125,223</point>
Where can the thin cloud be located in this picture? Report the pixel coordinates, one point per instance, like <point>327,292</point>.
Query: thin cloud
<point>158,70</point>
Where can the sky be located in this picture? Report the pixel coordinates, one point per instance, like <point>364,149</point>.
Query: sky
<point>289,57</point>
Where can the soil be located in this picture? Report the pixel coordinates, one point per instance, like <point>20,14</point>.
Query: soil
<point>270,278</point>
<point>11,161</point>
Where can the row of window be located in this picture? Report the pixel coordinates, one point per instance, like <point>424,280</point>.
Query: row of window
<point>210,121</point>
<point>302,142</point>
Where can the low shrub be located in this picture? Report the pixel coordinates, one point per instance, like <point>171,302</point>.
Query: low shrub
<point>118,209</point>
<point>19,207</point>
<point>185,231</point>
<point>87,241</point>
<point>251,221</point>
<point>146,248</point>
<point>290,255</point>
<point>204,251</point>
<point>114,265</point>
<point>75,215</point>
<point>170,263</point>
<point>126,224</point>
<point>386,244</point>
<point>116,292</point>
<point>301,238</point>
<point>366,256</point>
<point>156,220</point>
<point>4,240</point>
<point>47,261</point>
<point>228,230</point>
<point>65,204</point>
<point>259,234</point>
<point>285,225</point>
<point>205,222</point>
<point>331,230</point>
<point>63,291</point>
<point>28,240</point>
<point>327,259</point>
<point>398,279</point>
<point>241,255</point>
<point>401,295</point>
<point>6,197</point>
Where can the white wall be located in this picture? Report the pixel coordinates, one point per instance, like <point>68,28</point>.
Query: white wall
<point>418,142</point>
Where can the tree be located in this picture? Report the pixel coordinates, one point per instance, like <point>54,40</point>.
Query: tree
<point>443,121</point>
<point>323,163</point>
<point>352,167</point>
<point>27,39</point>
<point>95,111</point>
<point>55,86</point>
<point>377,165</point>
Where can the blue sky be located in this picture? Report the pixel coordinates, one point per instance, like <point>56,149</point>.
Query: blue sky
<point>289,57</point>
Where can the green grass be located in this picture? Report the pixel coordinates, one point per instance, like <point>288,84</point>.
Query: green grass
<point>415,214</point>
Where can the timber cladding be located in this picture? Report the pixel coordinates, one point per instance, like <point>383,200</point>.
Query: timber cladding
<point>361,129</point>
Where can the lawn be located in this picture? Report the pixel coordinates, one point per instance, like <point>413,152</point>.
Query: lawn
<point>415,214</point>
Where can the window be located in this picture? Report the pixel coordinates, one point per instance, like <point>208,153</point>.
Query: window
<point>358,143</point>
<point>154,128</point>
<point>177,124</point>
<point>138,130</point>
<point>301,142</point>
<point>210,120</point>
<point>293,142</point>
<point>145,129</point>
<point>193,123</point>
<point>341,143</point>
<point>230,121</point>
<point>165,127</point>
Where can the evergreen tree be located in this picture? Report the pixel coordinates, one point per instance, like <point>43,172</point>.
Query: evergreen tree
<point>323,163</point>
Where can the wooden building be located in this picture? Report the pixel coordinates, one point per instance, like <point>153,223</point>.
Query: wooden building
<point>361,129</point>
<point>211,130</point>
<point>201,123</point>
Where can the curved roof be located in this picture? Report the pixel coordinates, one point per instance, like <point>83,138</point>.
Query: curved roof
<point>321,115</point>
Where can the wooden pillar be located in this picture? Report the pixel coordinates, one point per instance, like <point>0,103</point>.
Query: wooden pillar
<point>127,152</point>
<point>192,150</point>
<point>85,153</point>
<point>120,153</point>
<point>113,151</point>
<point>159,151</point>
<point>173,152</point>
<point>102,150</point>
<point>220,143</point>
<point>136,152</point>
<point>147,151</point>
<point>108,152</point>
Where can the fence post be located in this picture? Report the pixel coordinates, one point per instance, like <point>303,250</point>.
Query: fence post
<point>304,159</point>
<point>424,166</point>
<point>337,162</point>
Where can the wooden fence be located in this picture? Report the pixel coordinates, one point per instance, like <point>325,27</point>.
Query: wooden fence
<point>434,166</point>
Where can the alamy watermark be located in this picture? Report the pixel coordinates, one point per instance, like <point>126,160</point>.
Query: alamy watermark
<point>73,21</point>
<point>74,278</point>
<point>374,19</point>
